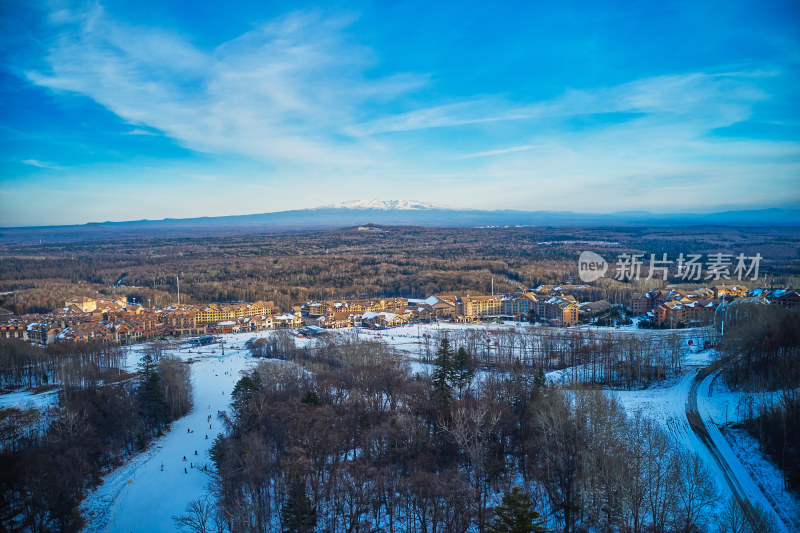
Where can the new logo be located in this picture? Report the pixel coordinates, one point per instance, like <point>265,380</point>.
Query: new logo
<point>591,266</point>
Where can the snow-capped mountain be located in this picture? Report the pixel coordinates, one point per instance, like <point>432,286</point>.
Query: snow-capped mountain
<point>387,213</point>
<point>386,205</point>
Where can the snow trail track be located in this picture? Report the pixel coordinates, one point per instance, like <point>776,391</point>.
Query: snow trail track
<point>742,487</point>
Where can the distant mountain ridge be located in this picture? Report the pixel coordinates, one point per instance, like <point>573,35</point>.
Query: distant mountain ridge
<point>385,205</point>
<point>388,213</point>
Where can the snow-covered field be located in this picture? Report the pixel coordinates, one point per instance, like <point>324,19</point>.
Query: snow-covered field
<point>28,399</point>
<point>140,496</point>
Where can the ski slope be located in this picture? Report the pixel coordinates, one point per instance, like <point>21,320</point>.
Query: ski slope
<point>140,496</point>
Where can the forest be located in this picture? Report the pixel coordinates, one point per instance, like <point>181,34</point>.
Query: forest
<point>762,347</point>
<point>348,439</point>
<point>349,434</point>
<point>102,416</point>
<point>291,268</point>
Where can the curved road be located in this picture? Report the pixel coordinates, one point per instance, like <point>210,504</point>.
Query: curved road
<point>699,428</point>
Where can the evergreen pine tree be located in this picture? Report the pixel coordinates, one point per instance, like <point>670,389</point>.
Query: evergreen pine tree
<point>463,370</point>
<point>242,393</point>
<point>298,514</point>
<point>245,387</point>
<point>516,515</point>
<point>217,451</point>
<point>539,379</point>
<point>151,394</point>
<point>443,372</point>
<point>311,398</point>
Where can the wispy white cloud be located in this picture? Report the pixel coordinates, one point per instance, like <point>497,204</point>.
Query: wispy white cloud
<point>140,131</point>
<point>724,98</point>
<point>500,151</point>
<point>297,95</point>
<point>41,164</point>
<point>285,91</point>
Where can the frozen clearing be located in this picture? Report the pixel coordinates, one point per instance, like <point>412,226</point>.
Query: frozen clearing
<point>28,399</point>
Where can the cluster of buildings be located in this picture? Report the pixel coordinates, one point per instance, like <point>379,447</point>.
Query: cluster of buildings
<point>116,320</point>
<point>380,313</point>
<point>672,307</point>
<point>85,319</point>
<point>550,304</point>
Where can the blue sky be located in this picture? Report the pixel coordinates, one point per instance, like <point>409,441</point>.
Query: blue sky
<point>126,110</point>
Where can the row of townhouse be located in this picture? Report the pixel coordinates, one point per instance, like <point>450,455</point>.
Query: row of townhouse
<point>89,305</point>
<point>556,290</point>
<point>675,307</point>
<point>48,328</point>
<point>322,308</point>
<point>685,311</point>
<point>386,319</point>
<point>464,309</point>
<point>242,324</point>
<point>561,310</point>
<point>786,298</point>
<point>181,320</point>
<point>86,319</point>
<point>641,303</point>
<point>376,319</point>
<point>214,313</point>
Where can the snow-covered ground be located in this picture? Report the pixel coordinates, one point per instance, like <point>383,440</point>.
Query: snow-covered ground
<point>666,404</point>
<point>28,399</point>
<point>140,496</point>
<point>766,476</point>
<point>760,478</point>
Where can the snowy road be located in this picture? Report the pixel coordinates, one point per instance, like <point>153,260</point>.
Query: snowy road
<point>699,428</point>
<point>686,408</point>
<point>747,490</point>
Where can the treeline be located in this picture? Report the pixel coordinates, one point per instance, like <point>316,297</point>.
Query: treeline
<point>602,358</point>
<point>608,358</point>
<point>347,439</point>
<point>72,364</point>
<point>762,344</point>
<point>49,459</point>
<point>777,428</point>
